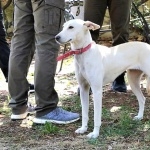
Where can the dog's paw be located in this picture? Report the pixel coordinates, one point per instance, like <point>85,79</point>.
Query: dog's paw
<point>138,118</point>
<point>81,130</point>
<point>92,135</point>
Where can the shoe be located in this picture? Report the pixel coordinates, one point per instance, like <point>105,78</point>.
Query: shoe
<point>19,116</point>
<point>119,87</point>
<point>30,110</point>
<point>58,116</point>
<point>31,88</point>
<point>78,91</point>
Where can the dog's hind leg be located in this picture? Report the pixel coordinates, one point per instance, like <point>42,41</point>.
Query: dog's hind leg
<point>134,77</point>
<point>84,96</point>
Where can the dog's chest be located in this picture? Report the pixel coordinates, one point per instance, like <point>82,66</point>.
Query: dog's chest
<point>83,65</point>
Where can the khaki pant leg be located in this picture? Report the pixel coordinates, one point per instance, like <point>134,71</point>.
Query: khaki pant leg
<point>48,16</point>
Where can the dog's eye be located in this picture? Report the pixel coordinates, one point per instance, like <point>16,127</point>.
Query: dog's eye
<point>70,27</point>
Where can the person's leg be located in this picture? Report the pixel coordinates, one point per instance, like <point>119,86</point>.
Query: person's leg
<point>120,17</point>
<point>20,57</point>
<point>4,48</point>
<point>94,10</point>
<point>47,25</point>
<point>48,17</point>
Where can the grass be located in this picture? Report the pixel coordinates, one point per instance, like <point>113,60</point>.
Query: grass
<point>49,128</point>
<point>4,109</point>
<point>121,129</point>
<point>118,127</point>
<point>118,130</point>
<point>65,100</point>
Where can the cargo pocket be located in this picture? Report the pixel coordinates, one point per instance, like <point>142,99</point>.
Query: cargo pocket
<point>54,19</point>
<point>49,16</point>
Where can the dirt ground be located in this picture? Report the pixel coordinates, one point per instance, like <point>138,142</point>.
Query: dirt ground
<point>24,135</point>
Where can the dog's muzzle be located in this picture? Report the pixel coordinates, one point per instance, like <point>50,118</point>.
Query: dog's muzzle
<point>59,40</point>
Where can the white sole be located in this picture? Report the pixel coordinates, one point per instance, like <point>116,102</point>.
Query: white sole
<point>43,121</point>
<point>31,91</point>
<point>19,117</point>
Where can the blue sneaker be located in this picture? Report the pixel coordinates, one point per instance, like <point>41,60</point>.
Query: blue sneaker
<point>58,116</point>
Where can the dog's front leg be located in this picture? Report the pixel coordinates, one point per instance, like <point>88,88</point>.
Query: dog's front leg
<point>84,95</point>
<point>97,98</point>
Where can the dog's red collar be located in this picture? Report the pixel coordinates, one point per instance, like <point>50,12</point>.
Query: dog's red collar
<point>71,52</point>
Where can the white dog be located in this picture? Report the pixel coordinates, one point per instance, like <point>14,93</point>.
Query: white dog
<point>98,65</point>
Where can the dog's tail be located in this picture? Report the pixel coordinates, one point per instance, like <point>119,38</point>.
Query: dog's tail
<point>148,85</point>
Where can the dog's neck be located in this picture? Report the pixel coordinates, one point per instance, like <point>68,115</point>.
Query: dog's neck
<point>82,42</point>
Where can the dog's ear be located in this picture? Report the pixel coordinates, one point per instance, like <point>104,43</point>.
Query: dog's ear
<point>91,26</point>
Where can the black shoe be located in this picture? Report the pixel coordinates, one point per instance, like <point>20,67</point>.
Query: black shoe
<point>31,88</point>
<point>78,91</point>
<point>119,87</point>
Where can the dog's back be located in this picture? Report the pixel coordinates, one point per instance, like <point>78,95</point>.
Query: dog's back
<point>131,55</point>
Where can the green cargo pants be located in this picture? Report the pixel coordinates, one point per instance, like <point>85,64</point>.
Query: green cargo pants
<point>36,22</point>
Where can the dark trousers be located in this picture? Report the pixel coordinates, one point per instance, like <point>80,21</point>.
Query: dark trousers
<point>4,48</point>
<point>119,10</point>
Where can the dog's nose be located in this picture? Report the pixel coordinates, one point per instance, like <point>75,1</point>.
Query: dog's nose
<point>57,38</point>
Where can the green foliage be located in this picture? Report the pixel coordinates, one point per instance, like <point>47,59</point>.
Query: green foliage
<point>124,125</point>
<point>49,128</point>
<point>145,11</point>
<point>106,113</point>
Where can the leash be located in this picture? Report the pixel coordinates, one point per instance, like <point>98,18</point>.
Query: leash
<point>72,52</point>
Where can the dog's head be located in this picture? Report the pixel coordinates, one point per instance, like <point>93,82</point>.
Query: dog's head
<point>75,30</point>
